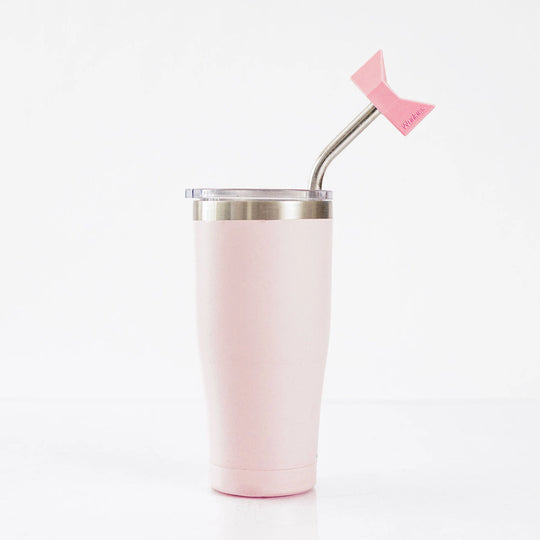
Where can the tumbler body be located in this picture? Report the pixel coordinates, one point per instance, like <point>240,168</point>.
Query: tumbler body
<point>263,295</point>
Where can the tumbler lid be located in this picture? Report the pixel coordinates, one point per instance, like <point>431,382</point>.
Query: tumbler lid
<point>205,194</point>
<point>259,204</point>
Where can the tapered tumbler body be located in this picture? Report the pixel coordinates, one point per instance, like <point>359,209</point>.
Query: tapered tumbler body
<point>263,300</point>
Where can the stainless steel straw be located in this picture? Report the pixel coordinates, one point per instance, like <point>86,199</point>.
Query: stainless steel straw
<point>337,145</point>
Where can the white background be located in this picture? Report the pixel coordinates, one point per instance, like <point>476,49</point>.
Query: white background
<point>110,109</point>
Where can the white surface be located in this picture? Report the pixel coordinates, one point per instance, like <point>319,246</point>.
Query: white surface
<point>111,108</point>
<point>387,470</point>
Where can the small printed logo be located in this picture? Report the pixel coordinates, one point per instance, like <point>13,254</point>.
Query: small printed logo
<point>413,118</point>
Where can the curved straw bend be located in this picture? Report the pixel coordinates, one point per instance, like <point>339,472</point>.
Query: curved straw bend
<point>343,140</point>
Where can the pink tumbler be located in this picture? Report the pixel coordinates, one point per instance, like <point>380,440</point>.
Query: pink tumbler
<point>263,263</point>
<point>263,294</point>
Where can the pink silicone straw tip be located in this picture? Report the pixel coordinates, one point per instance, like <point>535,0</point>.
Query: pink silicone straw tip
<point>404,114</point>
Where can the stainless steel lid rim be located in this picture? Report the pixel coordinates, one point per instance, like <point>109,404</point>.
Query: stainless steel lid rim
<point>257,209</point>
<point>259,204</point>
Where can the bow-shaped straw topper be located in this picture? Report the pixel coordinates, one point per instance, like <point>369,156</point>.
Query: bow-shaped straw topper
<point>404,114</point>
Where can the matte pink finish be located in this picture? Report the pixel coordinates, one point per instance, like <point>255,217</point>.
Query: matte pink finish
<point>263,291</point>
<point>404,114</point>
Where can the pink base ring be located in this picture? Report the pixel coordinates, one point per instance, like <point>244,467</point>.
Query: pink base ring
<point>270,483</point>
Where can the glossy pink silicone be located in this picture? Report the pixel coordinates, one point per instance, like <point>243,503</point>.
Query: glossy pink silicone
<point>404,114</point>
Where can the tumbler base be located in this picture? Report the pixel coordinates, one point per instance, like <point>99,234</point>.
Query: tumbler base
<point>263,483</point>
